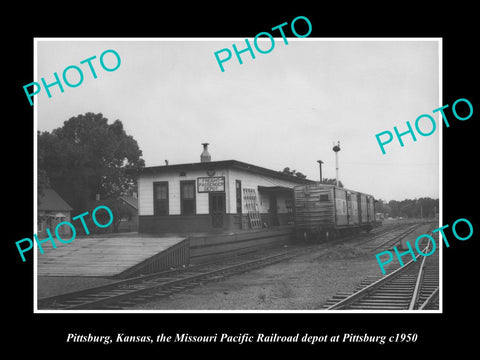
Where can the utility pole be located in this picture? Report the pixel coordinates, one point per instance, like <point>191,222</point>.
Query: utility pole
<point>320,162</point>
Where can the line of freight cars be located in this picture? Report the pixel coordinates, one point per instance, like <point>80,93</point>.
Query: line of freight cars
<point>323,212</point>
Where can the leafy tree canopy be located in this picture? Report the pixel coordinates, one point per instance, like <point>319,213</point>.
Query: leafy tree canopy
<point>293,173</point>
<point>332,182</point>
<point>88,156</point>
<point>424,207</point>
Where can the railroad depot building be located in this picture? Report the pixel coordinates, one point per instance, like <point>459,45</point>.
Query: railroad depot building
<point>214,196</point>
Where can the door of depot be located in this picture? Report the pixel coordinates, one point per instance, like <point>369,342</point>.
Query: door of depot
<point>217,208</point>
<point>273,210</point>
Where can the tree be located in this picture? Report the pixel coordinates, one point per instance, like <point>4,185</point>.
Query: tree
<point>43,182</point>
<point>416,208</point>
<point>88,156</point>
<point>331,182</point>
<point>120,211</point>
<point>382,207</point>
<point>293,173</point>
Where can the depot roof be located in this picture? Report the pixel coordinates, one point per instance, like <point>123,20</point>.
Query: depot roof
<point>223,164</point>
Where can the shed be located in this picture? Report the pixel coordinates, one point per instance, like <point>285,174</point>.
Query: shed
<point>129,223</point>
<point>52,210</point>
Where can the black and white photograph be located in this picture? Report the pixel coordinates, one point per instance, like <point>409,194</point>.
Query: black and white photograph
<point>241,180</point>
<point>257,188</point>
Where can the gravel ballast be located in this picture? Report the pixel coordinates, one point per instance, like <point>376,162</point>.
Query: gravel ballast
<point>301,283</point>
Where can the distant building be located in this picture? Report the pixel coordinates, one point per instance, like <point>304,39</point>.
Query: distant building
<point>129,223</point>
<point>52,210</point>
<point>213,196</point>
<point>379,216</point>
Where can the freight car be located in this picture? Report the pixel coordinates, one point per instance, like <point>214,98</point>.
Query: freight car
<point>326,211</point>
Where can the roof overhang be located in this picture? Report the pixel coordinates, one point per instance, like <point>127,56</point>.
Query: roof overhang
<point>274,189</point>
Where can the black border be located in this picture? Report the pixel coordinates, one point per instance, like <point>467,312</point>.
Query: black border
<point>46,333</point>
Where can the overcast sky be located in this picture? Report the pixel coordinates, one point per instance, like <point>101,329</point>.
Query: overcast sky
<point>284,108</point>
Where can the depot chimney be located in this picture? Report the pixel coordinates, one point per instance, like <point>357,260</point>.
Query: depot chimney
<point>205,156</point>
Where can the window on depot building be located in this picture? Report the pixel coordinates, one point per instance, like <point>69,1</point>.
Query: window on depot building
<point>187,197</point>
<point>160,198</point>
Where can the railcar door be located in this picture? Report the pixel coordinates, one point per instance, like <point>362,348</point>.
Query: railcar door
<point>350,209</point>
<point>341,214</point>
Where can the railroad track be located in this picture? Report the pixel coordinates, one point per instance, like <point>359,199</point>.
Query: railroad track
<point>380,238</point>
<point>414,286</point>
<point>128,293</point>
<point>131,292</point>
<point>389,237</point>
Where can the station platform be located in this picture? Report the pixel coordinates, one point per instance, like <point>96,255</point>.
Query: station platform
<point>119,255</point>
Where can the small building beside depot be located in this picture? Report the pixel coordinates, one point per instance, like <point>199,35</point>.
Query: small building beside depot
<point>52,210</point>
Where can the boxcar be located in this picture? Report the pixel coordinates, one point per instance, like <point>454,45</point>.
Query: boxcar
<point>325,211</point>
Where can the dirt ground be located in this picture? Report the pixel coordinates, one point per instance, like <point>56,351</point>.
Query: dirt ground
<point>302,283</point>
<point>55,285</point>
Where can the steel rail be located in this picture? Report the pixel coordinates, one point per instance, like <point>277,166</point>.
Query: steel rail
<point>433,297</point>
<point>398,237</point>
<point>418,282</point>
<point>360,294</point>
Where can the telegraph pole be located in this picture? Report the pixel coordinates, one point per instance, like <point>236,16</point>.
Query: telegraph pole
<point>336,149</point>
<point>320,162</point>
